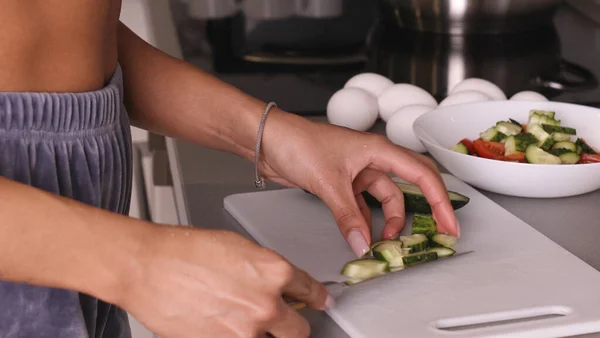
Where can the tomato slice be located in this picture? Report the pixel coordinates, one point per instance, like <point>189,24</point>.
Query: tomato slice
<point>524,128</point>
<point>589,158</point>
<point>491,150</point>
<point>519,157</point>
<point>467,143</point>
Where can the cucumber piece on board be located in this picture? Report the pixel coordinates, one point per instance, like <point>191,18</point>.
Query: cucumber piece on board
<point>421,257</point>
<point>416,242</point>
<point>442,252</point>
<point>424,224</point>
<point>364,268</point>
<point>390,251</point>
<point>444,240</point>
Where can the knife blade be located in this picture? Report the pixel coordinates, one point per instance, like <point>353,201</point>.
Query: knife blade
<point>336,289</point>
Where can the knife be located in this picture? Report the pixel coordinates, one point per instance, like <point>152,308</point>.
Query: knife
<point>336,289</point>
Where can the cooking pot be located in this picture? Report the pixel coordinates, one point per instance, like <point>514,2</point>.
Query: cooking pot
<point>437,62</point>
<point>469,16</point>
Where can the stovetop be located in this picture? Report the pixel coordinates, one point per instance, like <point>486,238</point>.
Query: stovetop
<point>562,57</point>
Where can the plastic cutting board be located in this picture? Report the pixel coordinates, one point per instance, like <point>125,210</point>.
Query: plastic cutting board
<point>517,283</point>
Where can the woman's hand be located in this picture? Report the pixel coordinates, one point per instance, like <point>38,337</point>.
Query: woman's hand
<point>203,283</point>
<point>337,164</point>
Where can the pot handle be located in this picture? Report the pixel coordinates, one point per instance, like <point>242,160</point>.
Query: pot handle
<point>558,81</point>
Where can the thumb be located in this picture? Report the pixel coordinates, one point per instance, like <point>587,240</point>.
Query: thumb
<point>343,205</point>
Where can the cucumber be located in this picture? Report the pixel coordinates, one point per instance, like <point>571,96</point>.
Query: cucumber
<point>443,240</point>
<point>569,158</point>
<point>537,155</point>
<point>565,145</point>
<point>559,151</point>
<point>558,137</point>
<point>584,147</point>
<point>508,128</point>
<point>516,123</point>
<point>364,268</point>
<point>534,119</point>
<point>544,139</point>
<point>391,252</point>
<point>415,201</point>
<point>518,143</point>
<point>492,135</point>
<point>461,148</point>
<point>550,114</point>
<point>557,129</point>
<point>418,258</point>
<point>416,242</point>
<point>398,268</point>
<point>545,120</point>
<point>442,252</point>
<point>424,224</point>
<point>579,149</point>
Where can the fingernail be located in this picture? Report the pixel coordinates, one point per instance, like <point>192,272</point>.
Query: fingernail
<point>329,302</point>
<point>357,243</point>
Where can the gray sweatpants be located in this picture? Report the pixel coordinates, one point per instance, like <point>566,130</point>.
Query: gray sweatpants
<point>76,145</point>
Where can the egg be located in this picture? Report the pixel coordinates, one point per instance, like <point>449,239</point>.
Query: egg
<point>399,128</point>
<point>528,96</point>
<point>352,108</point>
<point>402,95</point>
<point>480,85</point>
<point>464,97</point>
<point>373,83</point>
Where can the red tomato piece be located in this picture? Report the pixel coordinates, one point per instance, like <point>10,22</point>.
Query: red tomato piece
<point>467,143</point>
<point>491,150</point>
<point>589,158</point>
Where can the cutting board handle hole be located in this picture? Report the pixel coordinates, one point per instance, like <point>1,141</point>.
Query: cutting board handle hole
<point>501,318</point>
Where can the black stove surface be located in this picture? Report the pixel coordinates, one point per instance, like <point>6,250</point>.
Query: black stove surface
<point>560,61</point>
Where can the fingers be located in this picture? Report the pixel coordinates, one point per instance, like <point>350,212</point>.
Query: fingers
<point>389,158</point>
<point>305,288</point>
<point>343,204</point>
<point>383,188</point>
<point>365,210</point>
<point>289,324</point>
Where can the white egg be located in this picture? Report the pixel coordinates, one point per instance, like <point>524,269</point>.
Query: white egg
<point>479,85</point>
<point>352,108</point>
<point>464,97</point>
<point>402,95</point>
<point>528,96</point>
<point>399,128</point>
<point>371,82</point>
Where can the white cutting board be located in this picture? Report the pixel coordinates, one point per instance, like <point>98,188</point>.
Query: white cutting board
<point>515,272</point>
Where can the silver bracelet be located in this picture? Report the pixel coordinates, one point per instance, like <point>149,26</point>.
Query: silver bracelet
<point>259,182</point>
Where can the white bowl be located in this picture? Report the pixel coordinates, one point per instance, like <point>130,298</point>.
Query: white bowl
<point>443,127</point>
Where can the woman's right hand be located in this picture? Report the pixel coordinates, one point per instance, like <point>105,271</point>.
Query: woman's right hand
<point>205,283</point>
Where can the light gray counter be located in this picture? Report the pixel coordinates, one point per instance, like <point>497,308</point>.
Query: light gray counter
<point>207,176</point>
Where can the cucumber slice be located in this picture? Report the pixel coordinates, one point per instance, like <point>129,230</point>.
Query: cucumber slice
<point>508,128</point>
<point>364,268</point>
<point>544,139</point>
<point>398,268</point>
<point>421,257</point>
<point>518,143</point>
<point>442,252</point>
<point>565,145</point>
<point>515,122</point>
<point>415,201</point>
<point>534,119</point>
<point>536,155</point>
<point>559,137</point>
<point>579,149</point>
<point>492,135</point>
<point>424,224</point>
<point>548,121</point>
<point>548,113</point>
<point>416,242</point>
<point>444,240</point>
<point>584,147</point>
<point>390,251</point>
<point>559,151</point>
<point>461,148</point>
<point>569,158</point>
<point>557,129</point>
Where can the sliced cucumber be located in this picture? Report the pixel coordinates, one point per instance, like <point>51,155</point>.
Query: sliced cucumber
<point>508,128</point>
<point>534,119</point>
<point>544,139</point>
<point>442,252</point>
<point>444,240</point>
<point>557,129</point>
<point>565,145</point>
<point>537,155</point>
<point>364,268</point>
<point>579,149</point>
<point>390,251</point>
<point>415,201</point>
<point>550,114</point>
<point>398,268</point>
<point>559,151</point>
<point>584,147</point>
<point>558,137</point>
<point>516,122</point>
<point>421,257</point>
<point>569,158</point>
<point>461,148</point>
<point>545,120</point>
<point>492,135</point>
<point>424,224</point>
<point>518,143</point>
<point>416,242</point>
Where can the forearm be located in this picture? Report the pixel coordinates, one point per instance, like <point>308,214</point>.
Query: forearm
<point>52,241</point>
<point>171,97</point>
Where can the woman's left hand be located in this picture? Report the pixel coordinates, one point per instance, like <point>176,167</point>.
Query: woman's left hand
<point>338,164</point>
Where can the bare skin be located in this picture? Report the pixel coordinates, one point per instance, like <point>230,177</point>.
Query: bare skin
<point>183,282</point>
